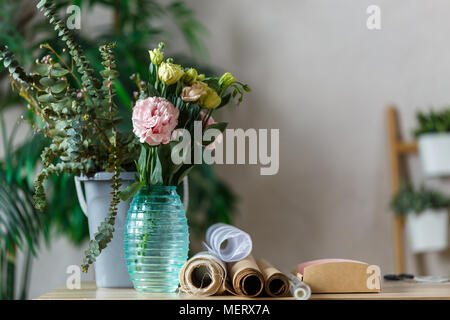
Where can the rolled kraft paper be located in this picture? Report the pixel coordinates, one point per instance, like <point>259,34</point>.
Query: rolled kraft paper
<point>203,275</point>
<point>276,284</point>
<point>246,278</point>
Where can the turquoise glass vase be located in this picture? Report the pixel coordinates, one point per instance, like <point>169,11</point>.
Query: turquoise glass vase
<point>156,239</point>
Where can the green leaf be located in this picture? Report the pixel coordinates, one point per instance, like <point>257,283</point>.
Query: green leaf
<point>113,74</point>
<point>168,167</point>
<point>181,173</point>
<point>59,72</point>
<point>225,101</point>
<point>122,94</point>
<point>142,162</point>
<point>47,98</point>
<point>152,92</point>
<point>157,172</point>
<point>46,81</point>
<point>41,4</point>
<point>221,126</point>
<point>59,86</point>
<point>7,62</point>
<point>127,193</point>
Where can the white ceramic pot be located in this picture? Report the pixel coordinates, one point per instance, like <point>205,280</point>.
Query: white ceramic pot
<point>110,267</point>
<point>428,230</point>
<point>434,151</point>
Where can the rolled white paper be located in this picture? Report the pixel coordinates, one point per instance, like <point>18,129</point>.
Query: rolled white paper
<point>238,243</point>
<point>299,289</point>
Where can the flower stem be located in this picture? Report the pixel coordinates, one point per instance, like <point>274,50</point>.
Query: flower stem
<point>207,118</point>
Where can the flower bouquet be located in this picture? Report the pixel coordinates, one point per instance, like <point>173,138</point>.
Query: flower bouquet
<point>171,104</point>
<point>75,108</point>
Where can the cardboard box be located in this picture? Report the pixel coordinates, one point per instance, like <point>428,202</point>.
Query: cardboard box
<point>339,275</point>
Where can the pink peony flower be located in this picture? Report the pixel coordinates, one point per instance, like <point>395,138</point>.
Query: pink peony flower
<point>154,119</point>
<point>219,138</point>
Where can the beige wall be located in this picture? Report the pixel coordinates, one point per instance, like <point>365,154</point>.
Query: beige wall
<point>323,79</point>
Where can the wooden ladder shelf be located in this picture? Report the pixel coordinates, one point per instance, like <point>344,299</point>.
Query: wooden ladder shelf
<point>397,149</point>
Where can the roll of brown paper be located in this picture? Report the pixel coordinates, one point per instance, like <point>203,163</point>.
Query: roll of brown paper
<point>203,275</point>
<point>246,278</point>
<point>276,284</point>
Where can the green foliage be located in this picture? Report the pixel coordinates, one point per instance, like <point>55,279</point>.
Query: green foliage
<point>105,231</point>
<point>188,25</point>
<point>210,200</point>
<point>78,115</point>
<point>136,24</point>
<point>21,227</point>
<point>20,223</point>
<point>23,223</point>
<point>433,122</point>
<point>408,201</point>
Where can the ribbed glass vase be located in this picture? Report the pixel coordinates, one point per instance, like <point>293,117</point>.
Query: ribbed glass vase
<point>156,239</point>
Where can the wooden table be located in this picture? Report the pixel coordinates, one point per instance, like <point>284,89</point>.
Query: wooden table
<point>391,290</point>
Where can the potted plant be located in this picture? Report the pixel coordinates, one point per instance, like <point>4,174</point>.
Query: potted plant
<point>427,217</point>
<point>74,107</point>
<point>433,136</point>
<point>66,217</point>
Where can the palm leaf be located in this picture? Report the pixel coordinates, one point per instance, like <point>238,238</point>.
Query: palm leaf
<point>19,221</point>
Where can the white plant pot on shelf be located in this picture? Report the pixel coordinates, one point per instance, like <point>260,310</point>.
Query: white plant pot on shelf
<point>434,151</point>
<point>428,230</point>
<point>110,266</point>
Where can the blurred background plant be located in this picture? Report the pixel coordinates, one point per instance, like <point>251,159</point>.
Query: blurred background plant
<point>409,201</point>
<point>136,26</point>
<point>433,122</point>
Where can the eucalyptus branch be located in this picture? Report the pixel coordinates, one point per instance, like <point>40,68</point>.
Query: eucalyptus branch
<point>105,231</point>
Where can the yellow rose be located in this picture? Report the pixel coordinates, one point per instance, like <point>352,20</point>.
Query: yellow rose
<point>170,73</point>
<point>226,80</point>
<point>194,92</point>
<point>190,76</point>
<point>210,100</point>
<point>156,56</point>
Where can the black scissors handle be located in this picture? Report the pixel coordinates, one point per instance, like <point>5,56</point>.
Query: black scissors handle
<point>401,276</point>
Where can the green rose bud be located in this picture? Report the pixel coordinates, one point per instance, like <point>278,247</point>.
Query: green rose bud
<point>170,73</point>
<point>210,100</point>
<point>201,77</point>
<point>156,56</point>
<point>226,80</point>
<point>190,76</point>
